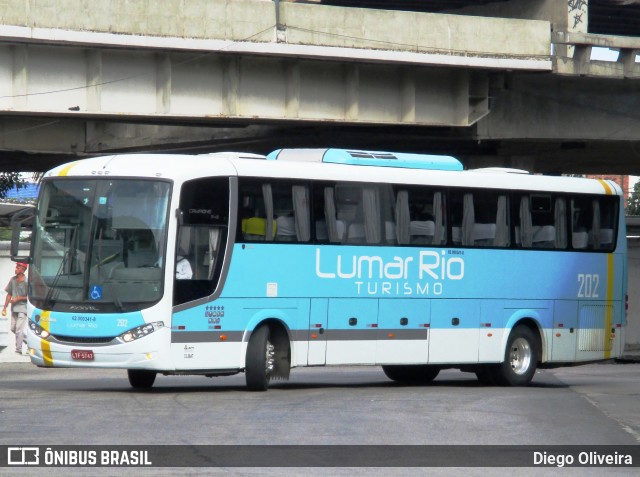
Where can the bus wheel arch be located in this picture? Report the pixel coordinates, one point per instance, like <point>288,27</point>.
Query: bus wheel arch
<point>522,353</point>
<point>268,355</point>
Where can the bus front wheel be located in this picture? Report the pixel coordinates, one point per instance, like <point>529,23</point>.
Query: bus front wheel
<point>520,358</point>
<point>260,359</point>
<point>411,374</point>
<point>140,378</point>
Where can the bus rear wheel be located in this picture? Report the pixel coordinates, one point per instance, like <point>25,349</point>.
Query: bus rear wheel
<point>411,374</point>
<point>520,359</point>
<point>260,359</point>
<point>140,378</point>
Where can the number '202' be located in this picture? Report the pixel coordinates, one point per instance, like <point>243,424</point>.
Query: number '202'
<point>588,285</point>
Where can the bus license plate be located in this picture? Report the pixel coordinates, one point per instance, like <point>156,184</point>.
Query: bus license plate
<point>82,354</point>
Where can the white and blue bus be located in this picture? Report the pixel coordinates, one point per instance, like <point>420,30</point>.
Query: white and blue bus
<point>225,263</point>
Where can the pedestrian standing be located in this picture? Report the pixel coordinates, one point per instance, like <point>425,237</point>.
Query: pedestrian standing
<point>17,295</point>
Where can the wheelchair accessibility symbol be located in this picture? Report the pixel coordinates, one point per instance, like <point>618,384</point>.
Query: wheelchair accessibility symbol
<point>96,292</point>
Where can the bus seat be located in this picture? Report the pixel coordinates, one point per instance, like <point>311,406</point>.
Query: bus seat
<point>606,236</point>
<point>544,236</point>
<point>286,229</point>
<point>390,231</point>
<point>421,231</point>
<point>484,234</point>
<point>580,239</point>
<point>341,229</point>
<point>321,231</point>
<point>456,235</point>
<point>356,233</point>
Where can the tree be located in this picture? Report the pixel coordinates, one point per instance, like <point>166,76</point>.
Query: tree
<point>633,203</point>
<point>9,180</point>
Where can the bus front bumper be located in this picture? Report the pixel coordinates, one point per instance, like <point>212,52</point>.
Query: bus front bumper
<point>143,353</point>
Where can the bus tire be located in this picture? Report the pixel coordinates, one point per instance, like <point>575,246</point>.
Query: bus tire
<point>411,374</point>
<point>141,378</point>
<point>260,359</point>
<point>520,358</point>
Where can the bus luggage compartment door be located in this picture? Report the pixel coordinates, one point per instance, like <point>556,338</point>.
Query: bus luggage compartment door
<point>352,331</point>
<point>403,331</point>
<point>455,331</point>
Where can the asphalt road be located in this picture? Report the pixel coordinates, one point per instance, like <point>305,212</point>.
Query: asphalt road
<point>587,405</point>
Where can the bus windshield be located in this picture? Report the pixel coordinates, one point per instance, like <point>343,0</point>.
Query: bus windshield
<point>100,243</point>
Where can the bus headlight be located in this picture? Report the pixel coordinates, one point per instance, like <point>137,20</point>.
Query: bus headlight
<point>141,331</point>
<point>38,330</point>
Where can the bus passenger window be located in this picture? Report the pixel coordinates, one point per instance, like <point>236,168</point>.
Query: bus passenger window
<point>608,216</point>
<point>291,211</point>
<point>257,223</point>
<point>548,229</point>
<point>420,217</point>
<point>581,222</point>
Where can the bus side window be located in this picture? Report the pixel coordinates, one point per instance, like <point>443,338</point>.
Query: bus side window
<point>420,216</point>
<point>257,223</point>
<point>603,224</point>
<point>581,222</point>
<point>608,220</point>
<point>291,211</point>
<point>543,221</point>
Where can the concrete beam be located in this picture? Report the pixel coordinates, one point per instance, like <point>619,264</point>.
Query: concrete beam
<point>170,86</point>
<point>581,63</point>
<point>562,108</point>
<point>254,21</point>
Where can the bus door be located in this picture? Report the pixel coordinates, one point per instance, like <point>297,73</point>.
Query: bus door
<point>403,331</point>
<point>318,331</point>
<point>352,331</point>
<point>455,331</point>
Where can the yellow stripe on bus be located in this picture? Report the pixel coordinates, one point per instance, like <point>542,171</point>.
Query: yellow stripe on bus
<point>66,169</point>
<point>45,324</point>
<point>607,188</point>
<point>46,353</point>
<point>608,318</point>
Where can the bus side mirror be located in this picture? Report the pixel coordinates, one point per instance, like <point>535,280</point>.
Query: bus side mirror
<point>21,220</point>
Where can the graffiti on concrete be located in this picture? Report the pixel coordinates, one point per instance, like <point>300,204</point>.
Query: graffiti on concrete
<point>578,13</point>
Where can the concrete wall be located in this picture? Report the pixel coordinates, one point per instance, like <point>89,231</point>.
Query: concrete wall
<point>255,20</point>
<point>555,11</point>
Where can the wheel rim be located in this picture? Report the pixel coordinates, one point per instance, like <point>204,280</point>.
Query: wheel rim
<point>269,363</point>
<point>520,356</point>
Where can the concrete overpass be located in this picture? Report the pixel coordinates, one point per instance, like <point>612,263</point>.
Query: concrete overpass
<point>508,83</point>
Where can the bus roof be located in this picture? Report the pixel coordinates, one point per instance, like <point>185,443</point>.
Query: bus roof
<point>185,167</point>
